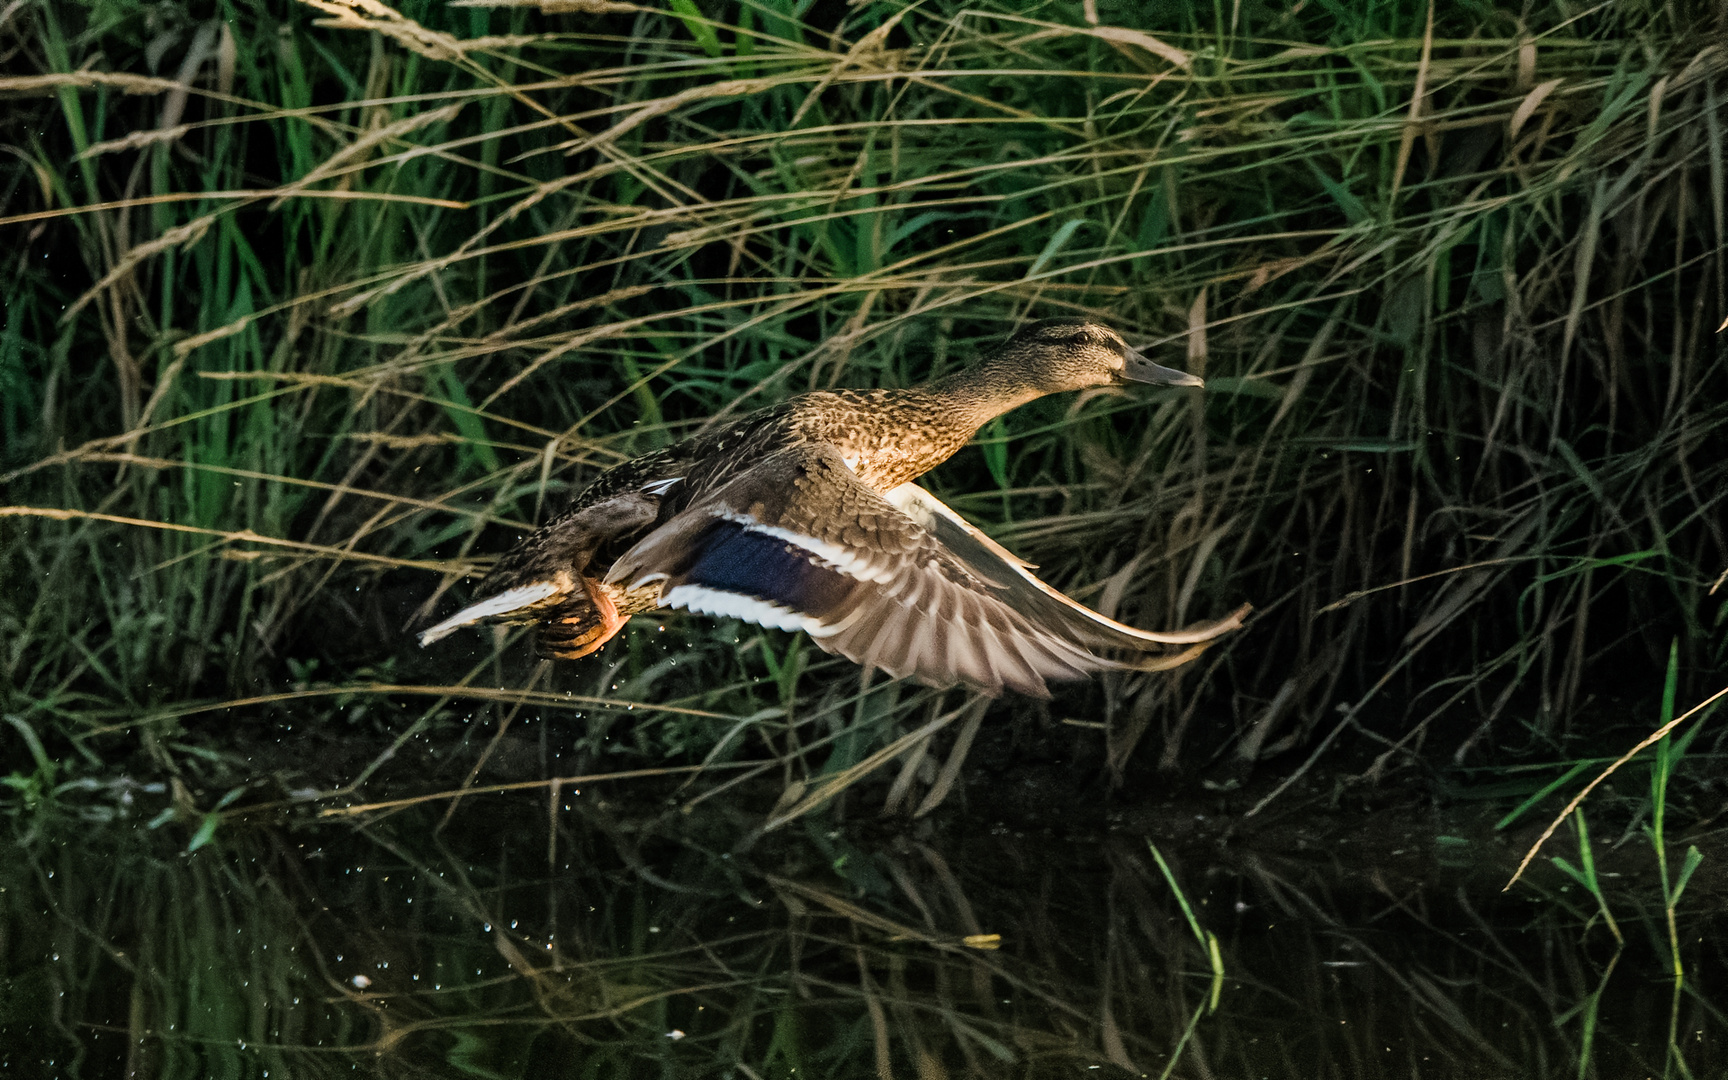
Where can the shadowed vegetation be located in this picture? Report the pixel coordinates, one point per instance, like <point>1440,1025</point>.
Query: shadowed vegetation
<point>311,308</point>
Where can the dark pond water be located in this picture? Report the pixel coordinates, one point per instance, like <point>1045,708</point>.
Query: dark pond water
<point>579,934</point>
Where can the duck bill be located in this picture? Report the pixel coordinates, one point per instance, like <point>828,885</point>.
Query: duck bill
<point>1136,368</point>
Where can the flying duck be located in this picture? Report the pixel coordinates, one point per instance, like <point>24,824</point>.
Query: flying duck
<point>803,516</point>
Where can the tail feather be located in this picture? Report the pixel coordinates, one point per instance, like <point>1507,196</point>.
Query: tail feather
<point>520,604</point>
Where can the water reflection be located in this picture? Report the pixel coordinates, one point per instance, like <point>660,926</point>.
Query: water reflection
<point>571,938</point>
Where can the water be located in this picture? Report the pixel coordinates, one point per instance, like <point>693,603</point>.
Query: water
<point>581,937</point>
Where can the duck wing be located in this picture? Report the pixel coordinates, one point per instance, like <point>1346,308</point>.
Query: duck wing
<point>1032,597</point>
<point>797,541</point>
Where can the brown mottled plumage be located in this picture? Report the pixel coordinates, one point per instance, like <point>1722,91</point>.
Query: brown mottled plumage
<point>802,516</point>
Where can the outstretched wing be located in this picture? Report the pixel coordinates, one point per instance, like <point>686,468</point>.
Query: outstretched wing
<point>799,542</point>
<point>1033,598</point>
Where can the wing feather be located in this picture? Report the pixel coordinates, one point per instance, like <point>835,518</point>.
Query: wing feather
<point>797,540</point>
<point>1025,593</point>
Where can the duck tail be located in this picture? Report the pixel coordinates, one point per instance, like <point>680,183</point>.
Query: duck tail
<point>521,603</point>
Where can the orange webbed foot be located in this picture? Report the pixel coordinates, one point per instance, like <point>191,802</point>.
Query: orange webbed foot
<point>581,628</point>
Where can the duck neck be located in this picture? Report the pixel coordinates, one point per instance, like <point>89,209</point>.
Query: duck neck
<point>972,398</point>
<point>899,435</point>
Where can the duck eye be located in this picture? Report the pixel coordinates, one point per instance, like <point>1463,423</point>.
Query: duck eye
<point>1078,339</point>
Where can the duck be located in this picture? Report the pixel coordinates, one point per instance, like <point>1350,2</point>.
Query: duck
<point>804,515</point>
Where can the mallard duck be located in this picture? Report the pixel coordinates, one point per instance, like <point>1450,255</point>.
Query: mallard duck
<point>803,516</point>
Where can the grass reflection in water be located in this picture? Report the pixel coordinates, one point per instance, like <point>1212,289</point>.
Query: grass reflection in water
<point>662,945</point>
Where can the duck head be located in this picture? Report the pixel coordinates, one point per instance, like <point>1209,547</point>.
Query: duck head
<point>1071,354</point>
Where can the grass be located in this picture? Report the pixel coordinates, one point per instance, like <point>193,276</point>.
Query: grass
<point>1208,942</point>
<point>313,307</point>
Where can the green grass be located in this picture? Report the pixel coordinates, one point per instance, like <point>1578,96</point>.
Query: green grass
<point>291,348</point>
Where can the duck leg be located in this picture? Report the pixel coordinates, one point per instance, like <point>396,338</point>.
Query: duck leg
<point>580,626</point>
